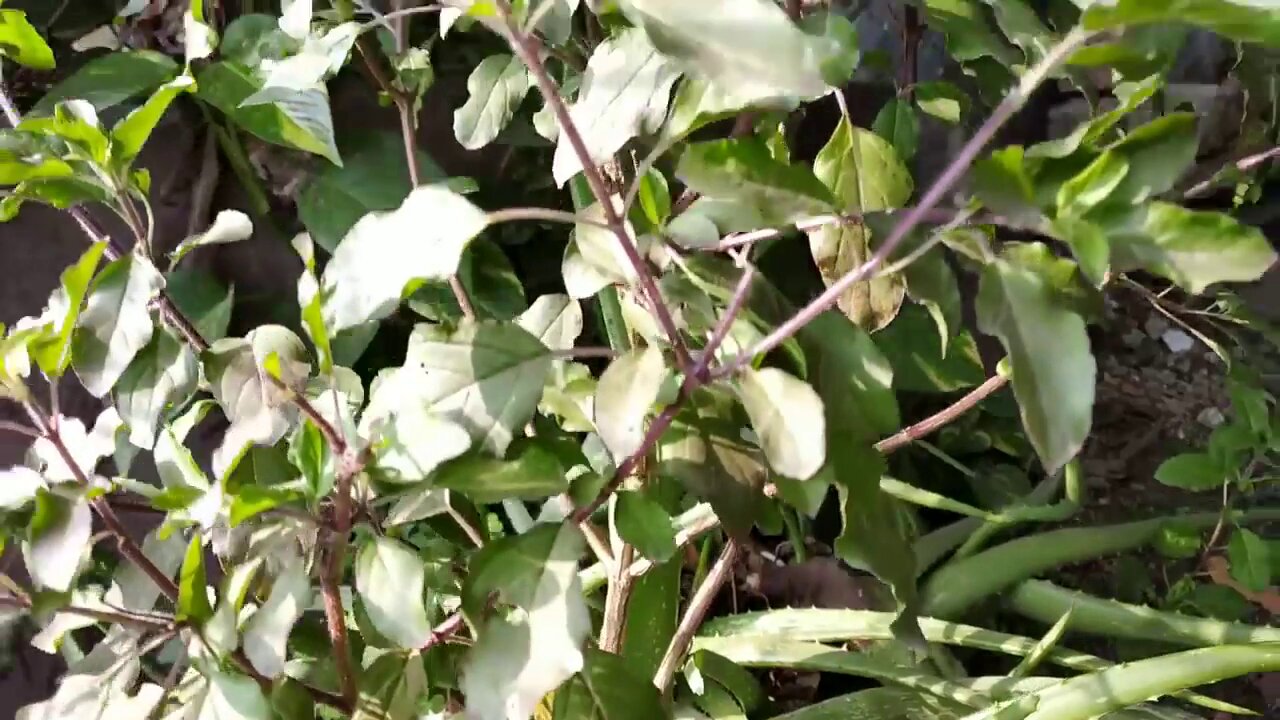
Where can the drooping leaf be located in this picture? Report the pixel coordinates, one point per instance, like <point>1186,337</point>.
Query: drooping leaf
<point>496,88</point>
<point>624,94</point>
<point>787,416</point>
<point>116,323</point>
<point>1053,368</point>
<point>745,171</point>
<point>302,121</point>
<point>423,239</point>
<point>374,176</point>
<point>266,633</point>
<point>531,472</point>
<point>1194,249</point>
<point>390,578</point>
<point>642,522</point>
<point>228,226</point>
<point>111,79</point>
<point>487,377</point>
<point>57,540</point>
<point>162,376</point>
<point>520,658</point>
<point>20,42</point>
<point>627,390</point>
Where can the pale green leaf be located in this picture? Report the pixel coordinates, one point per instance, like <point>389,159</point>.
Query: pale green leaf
<point>52,352</point>
<point>221,630</point>
<point>624,94</point>
<point>266,633</point>
<point>58,541</point>
<point>787,416</point>
<point>1092,185</point>
<point>302,121</point>
<point>18,486</point>
<point>496,87</point>
<point>391,687</point>
<point>162,377</point>
<point>413,441</point>
<point>321,56</point>
<point>131,133</point>
<point>1053,368</point>
<point>744,171</point>
<point>229,697</point>
<point>228,226</point>
<point>699,102</point>
<point>487,377</point>
<point>116,323</point>
<point>1157,154</point>
<point>942,100</point>
<point>311,304</point>
<point>390,578</point>
<point>556,320</point>
<point>1250,560</point>
<point>521,657</point>
<point>20,42</point>
<point>86,448</point>
<point>423,239</point>
<point>1245,20</point>
<point>627,390</point>
<point>418,503</point>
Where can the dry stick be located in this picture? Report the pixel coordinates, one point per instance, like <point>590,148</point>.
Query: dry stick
<point>952,175</point>
<point>526,47</point>
<point>693,616</point>
<point>946,416</point>
<point>616,600</point>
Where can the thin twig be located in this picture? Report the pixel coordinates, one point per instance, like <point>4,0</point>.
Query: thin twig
<point>515,214</point>
<point>107,616</point>
<point>19,428</point>
<point>942,418</point>
<point>952,175</point>
<point>445,630</point>
<point>693,616</point>
<point>472,532</point>
<point>526,47</point>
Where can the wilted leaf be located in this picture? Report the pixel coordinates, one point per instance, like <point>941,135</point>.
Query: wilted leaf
<point>423,239</point>
<point>116,323</point>
<point>496,87</point>
<point>624,94</point>
<point>787,416</point>
<point>1053,369</point>
<point>390,578</point>
<point>627,390</point>
<point>229,226</point>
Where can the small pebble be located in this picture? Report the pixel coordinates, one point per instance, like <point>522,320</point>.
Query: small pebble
<point>1177,341</point>
<point>1133,339</point>
<point>1211,417</point>
<point>1155,326</point>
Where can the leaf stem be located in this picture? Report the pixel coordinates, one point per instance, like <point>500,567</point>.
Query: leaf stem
<point>526,47</point>
<point>693,616</point>
<point>515,214</point>
<point>918,214</point>
<point>943,417</point>
<point>107,616</point>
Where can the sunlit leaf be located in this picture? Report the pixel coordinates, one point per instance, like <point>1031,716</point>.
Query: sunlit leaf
<point>745,171</point>
<point>266,633</point>
<point>496,88</point>
<point>20,42</point>
<point>53,352</point>
<point>162,376</point>
<point>624,396</point>
<point>116,323</point>
<point>57,540</point>
<point>302,121</point>
<point>229,226</point>
<point>787,416</point>
<point>531,472</point>
<point>390,578</point>
<point>131,133</point>
<point>556,320</point>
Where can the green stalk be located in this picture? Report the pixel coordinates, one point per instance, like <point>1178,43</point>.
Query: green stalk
<point>1044,601</point>
<point>607,302</point>
<point>1122,686</point>
<point>960,584</point>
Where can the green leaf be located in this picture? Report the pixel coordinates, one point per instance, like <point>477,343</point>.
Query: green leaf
<point>556,320</point>
<point>229,697</point>
<point>57,540</point>
<point>267,631</point>
<point>301,121</point>
<point>18,486</point>
<point>1250,560</point>
<point>745,171</point>
<point>1002,183</point>
<point>654,197</point>
<point>193,589</point>
<point>412,442</point>
<point>519,659</point>
<point>532,473</point>
<point>624,94</point>
<point>487,377</point>
<point>20,42</point>
<point>391,687</point>
<point>1194,249</point>
<point>373,176</point>
<point>698,102</point>
<point>897,123</point>
<point>1244,20</point>
<point>383,253</point>
<point>496,87</point>
<point>116,323</point>
<point>490,281</point>
<point>1096,183</point>
<point>626,393</point>
<point>53,352</point>
<point>228,226</point>
<point>131,133</point>
<point>642,522</point>
<point>204,301</point>
<point>1158,154</point>
<point>609,688</point>
<point>111,79</point>
<point>1088,243</point>
<point>310,303</point>
<point>749,45</point>
<point>787,416</point>
<point>161,378</point>
<point>942,100</point>
<point>594,258</point>
<point>259,411</point>
<point>882,703</point>
<point>1178,541</point>
<point>390,579</point>
<point>931,282</point>
<point>1053,369</point>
